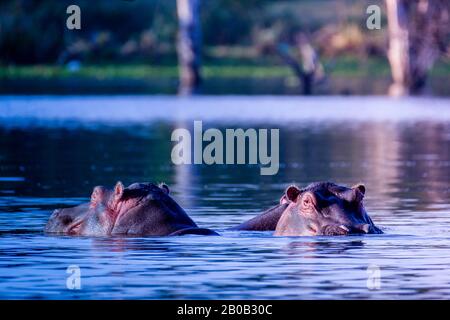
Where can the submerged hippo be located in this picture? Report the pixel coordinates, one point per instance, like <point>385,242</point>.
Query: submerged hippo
<point>266,221</point>
<point>321,208</point>
<point>143,209</point>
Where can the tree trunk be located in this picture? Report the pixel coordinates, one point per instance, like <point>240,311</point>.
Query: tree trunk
<point>189,46</point>
<point>417,32</point>
<point>309,70</point>
<point>398,52</point>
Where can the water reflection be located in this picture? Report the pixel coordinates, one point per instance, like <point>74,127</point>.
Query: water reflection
<point>405,165</point>
<point>316,248</point>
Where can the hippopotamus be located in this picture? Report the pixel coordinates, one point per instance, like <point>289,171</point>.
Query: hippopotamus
<point>141,209</point>
<point>321,208</point>
<point>266,221</point>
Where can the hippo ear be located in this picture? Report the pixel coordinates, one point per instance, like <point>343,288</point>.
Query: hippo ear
<point>97,196</point>
<point>164,188</point>
<point>118,190</point>
<point>292,193</point>
<point>284,199</point>
<point>360,187</point>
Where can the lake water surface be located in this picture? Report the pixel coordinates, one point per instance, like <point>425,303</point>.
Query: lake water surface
<point>54,150</point>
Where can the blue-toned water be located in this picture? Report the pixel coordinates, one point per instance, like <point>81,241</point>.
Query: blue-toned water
<point>54,150</point>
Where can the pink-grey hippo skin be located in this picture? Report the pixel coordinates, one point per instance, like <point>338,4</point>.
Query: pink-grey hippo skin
<point>141,209</point>
<point>266,221</point>
<point>321,208</point>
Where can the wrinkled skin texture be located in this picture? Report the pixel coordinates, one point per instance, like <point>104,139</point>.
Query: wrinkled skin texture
<point>325,208</point>
<point>139,209</point>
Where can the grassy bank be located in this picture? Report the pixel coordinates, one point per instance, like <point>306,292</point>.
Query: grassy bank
<point>344,75</point>
<point>344,66</point>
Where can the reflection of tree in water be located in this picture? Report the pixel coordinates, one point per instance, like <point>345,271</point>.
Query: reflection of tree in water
<point>344,152</point>
<point>426,150</point>
<point>395,161</point>
<point>71,162</point>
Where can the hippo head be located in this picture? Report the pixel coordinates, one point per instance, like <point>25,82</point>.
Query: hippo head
<point>325,208</point>
<point>141,208</point>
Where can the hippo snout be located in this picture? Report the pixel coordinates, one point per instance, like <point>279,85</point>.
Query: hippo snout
<point>55,213</point>
<point>51,223</point>
<point>336,230</point>
<point>57,221</point>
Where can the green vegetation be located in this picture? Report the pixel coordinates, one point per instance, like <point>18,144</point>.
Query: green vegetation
<point>131,46</point>
<point>345,66</point>
<point>144,31</point>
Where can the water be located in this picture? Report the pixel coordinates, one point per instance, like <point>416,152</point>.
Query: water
<point>54,150</point>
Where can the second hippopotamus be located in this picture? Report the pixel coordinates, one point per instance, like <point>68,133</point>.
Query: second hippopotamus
<point>321,208</point>
<point>143,209</point>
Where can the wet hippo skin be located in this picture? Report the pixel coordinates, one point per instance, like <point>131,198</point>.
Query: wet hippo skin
<point>141,209</point>
<point>321,208</point>
<point>266,221</point>
<point>325,208</point>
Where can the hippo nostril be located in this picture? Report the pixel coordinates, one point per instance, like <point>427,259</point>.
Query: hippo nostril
<point>335,230</point>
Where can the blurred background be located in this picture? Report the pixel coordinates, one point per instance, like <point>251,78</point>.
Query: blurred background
<point>225,47</point>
